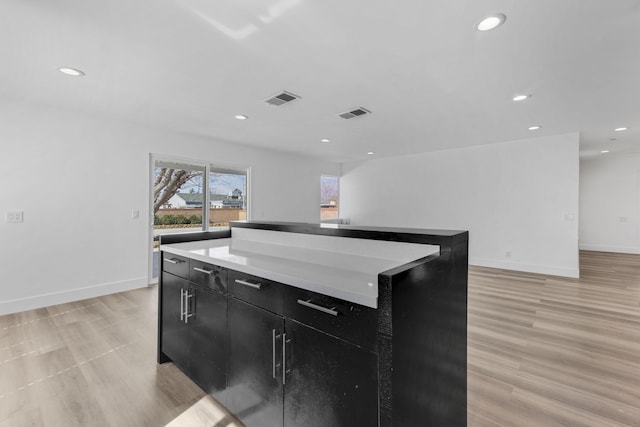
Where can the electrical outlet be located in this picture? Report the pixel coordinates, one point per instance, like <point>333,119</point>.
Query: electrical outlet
<point>507,254</point>
<point>624,219</point>
<point>15,216</point>
<point>135,214</point>
<point>569,217</point>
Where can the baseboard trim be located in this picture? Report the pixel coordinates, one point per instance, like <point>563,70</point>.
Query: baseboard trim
<point>529,268</point>
<point>70,295</point>
<point>605,248</point>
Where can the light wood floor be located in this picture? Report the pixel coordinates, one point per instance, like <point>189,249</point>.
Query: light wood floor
<point>549,351</point>
<point>89,363</point>
<point>543,351</point>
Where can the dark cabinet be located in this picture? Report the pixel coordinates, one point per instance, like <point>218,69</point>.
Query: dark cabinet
<point>194,331</point>
<point>255,392</point>
<point>282,372</point>
<point>280,356</point>
<point>331,382</point>
<point>208,339</point>
<point>175,331</point>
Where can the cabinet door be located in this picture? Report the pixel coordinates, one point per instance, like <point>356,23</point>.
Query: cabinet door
<point>175,337</point>
<point>208,338</point>
<point>331,383</point>
<point>254,392</point>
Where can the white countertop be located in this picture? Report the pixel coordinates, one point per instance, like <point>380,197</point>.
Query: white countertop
<point>349,276</point>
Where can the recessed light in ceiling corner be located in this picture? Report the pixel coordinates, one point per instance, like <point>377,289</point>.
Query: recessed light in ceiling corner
<point>325,140</point>
<point>620,129</point>
<point>71,71</point>
<point>518,98</point>
<point>241,117</point>
<point>491,22</point>
<point>604,151</point>
<point>536,127</point>
<point>371,153</point>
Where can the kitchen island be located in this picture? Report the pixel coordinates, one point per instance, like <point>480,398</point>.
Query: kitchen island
<point>291,324</point>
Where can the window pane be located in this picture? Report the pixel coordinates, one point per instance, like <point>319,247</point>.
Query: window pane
<point>228,196</point>
<point>329,197</point>
<point>178,199</point>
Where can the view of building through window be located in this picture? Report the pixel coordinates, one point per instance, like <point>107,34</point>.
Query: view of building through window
<point>192,197</point>
<point>180,197</point>
<point>329,197</point>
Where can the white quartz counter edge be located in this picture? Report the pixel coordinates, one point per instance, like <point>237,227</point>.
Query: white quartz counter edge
<point>349,285</point>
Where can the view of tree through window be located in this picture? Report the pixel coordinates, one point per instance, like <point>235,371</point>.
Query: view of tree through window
<point>179,197</point>
<point>329,197</point>
<point>191,197</point>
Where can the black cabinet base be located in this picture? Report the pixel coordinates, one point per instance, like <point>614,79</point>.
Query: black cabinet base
<point>402,364</point>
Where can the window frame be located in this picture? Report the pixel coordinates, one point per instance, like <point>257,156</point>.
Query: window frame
<point>207,168</point>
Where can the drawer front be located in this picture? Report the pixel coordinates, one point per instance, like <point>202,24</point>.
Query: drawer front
<point>351,322</point>
<point>175,264</point>
<point>256,290</point>
<point>208,275</point>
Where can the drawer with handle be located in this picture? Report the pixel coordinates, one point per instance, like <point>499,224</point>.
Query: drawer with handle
<point>208,275</point>
<point>350,321</point>
<point>256,290</point>
<point>175,264</point>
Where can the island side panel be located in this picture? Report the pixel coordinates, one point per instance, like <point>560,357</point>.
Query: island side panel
<point>385,351</point>
<point>429,339</point>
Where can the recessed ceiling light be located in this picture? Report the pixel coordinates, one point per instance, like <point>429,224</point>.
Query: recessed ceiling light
<point>520,97</point>
<point>491,22</point>
<point>71,71</point>
<point>325,140</point>
<point>241,117</point>
<point>604,151</point>
<point>613,139</point>
<point>534,127</point>
<point>371,153</point>
<point>620,129</point>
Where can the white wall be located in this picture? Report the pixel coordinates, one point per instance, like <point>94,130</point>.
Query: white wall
<point>516,196</point>
<point>78,178</point>
<point>610,203</point>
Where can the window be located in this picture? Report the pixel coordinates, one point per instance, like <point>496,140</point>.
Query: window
<point>193,196</point>
<point>228,196</point>
<point>178,197</point>
<point>329,197</point>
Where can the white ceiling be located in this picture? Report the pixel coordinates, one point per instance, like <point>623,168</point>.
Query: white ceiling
<point>430,78</point>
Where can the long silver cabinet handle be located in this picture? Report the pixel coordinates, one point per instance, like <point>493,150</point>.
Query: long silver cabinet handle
<point>182,304</point>
<point>284,359</point>
<point>309,304</point>
<point>187,315</point>
<point>186,306</point>
<point>172,261</point>
<point>273,348</point>
<point>251,285</point>
<point>202,270</point>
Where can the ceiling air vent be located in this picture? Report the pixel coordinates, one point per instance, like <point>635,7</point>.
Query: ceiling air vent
<point>355,113</point>
<point>282,98</point>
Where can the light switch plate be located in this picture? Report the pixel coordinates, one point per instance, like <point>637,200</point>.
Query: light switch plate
<point>15,216</point>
